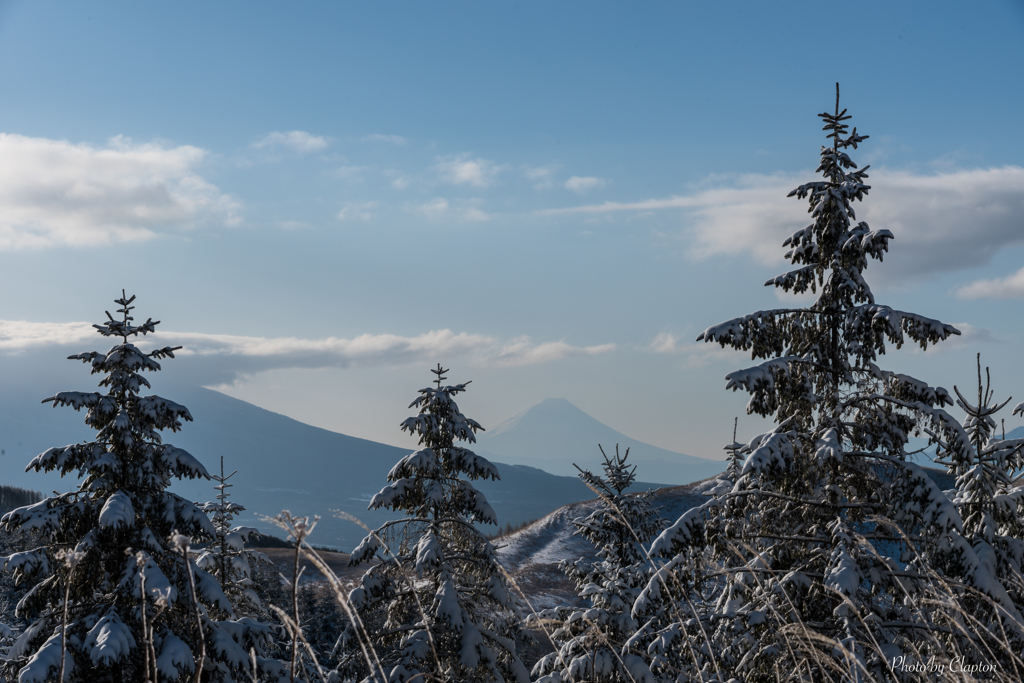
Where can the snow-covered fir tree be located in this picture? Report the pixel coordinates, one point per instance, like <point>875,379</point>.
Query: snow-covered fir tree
<point>818,562</point>
<point>989,553</point>
<point>111,587</point>
<point>595,643</point>
<point>226,557</point>
<point>435,605</point>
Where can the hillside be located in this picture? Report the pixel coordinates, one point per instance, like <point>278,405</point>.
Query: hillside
<point>532,553</point>
<point>282,463</point>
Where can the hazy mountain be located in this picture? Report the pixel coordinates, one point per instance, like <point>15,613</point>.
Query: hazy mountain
<point>554,434</point>
<point>281,463</point>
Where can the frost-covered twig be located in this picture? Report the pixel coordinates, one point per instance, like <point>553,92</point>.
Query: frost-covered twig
<point>180,542</point>
<point>298,529</point>
<point>71,559</point>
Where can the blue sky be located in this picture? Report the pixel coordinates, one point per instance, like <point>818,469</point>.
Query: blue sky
<point>553,199</point>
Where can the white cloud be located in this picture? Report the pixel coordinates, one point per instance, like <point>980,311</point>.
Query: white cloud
<point>665,342</point>
<point>399,180</point>
<point>695,354</point>
<point>366,349</point>
<point>350,172</point>
<point>943,221</point>
<point>436,208</point>
<point>753,215</point>
<point>970,336</point>
<point>380,137</point>
<point>471,213</point>
<point>296,140</point>
<point>581,184</point>
<point>521,351</point>
<point>1009,287</point>
<point>542,177</point>
<point>53,192</point>
<point>223,358</point>
<point>21,335</point>
<point>674,202</point>
<point>357,211</point>
<point>440,209</point>
<point>461,170</point>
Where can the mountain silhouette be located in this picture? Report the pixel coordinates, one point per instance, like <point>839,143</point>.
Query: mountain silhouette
<point>554,435</point>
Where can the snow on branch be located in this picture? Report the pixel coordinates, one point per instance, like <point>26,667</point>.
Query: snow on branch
<point>474,503</point>
<point>183,464</point>
<point>423,462</point>
<point>109,640</point>
<point>937,511</point>
<point>26,563</point>
<point>45,663</point>
<point>683,531</point>
<point>761,376</point>
<point>175,657</point>
<point>117,511</point>
<point>894,324</point>
<point>740,333</point>
<point>391,496</point>
<point>771,451</point>
<point>472,465</point>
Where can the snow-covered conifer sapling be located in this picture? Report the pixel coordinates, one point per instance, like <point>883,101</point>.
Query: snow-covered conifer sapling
<point>435,601</point>
<point>109,558</point>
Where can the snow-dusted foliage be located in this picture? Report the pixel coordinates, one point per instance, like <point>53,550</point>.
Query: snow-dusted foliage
<point>988,554</point>
<point>103,554</point>
<point>227,558</point>
<point>821,560</point>
<point>435,603</point>
<point>599,643</point>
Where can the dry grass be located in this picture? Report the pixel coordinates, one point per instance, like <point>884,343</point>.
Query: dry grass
<point>811,656</point>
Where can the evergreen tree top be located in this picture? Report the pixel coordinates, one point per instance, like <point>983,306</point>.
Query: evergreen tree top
<point>435,479</point>
<point>618,476</point>
<point>123,328</point>
<point>623,522</point>
<point>439,422</point>
<point>127,451</point>
<point>816,355</point>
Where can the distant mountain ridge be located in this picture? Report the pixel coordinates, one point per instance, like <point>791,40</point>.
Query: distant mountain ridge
<point>555,434</point>
<point>285,464</point>
<point>1017,433</point>
<point>282,463</point>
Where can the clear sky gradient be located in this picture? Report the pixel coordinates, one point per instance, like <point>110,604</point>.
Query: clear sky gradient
<point>321,200</point>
